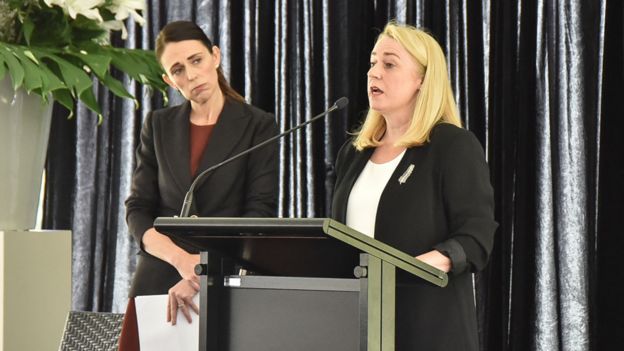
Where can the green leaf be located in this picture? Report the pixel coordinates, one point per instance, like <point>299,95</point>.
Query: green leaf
<point>32,77</point>
<point>2,67</point>
<point>84,30</point>
<point>88,99</point>
<point>53,28</point>
<point>28,27</point>
<point>75,78</point>
<point>129,64</point>
<point>64,97</point>
<point>32,80</point>
<point>99,64</point>
<point>50,81</point>
<point>117,88</point>
<point>15,68</point>
<point>140,65</point>
<point>31,56</point>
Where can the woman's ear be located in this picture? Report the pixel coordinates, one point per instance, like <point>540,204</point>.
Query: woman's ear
<point>167,80</point>
<point>216,54</point>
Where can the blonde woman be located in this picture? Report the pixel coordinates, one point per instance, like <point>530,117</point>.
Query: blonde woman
<point>414,179</point>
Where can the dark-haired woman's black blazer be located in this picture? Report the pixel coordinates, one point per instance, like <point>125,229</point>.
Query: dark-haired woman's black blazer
<point>445,203</point>
<point>246,187</point>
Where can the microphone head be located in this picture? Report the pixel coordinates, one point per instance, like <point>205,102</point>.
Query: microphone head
<point>341,103</point>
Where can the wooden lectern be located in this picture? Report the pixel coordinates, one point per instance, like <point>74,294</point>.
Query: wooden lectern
<point>316,284</point>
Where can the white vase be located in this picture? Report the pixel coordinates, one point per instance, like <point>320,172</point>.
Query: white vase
<point>24,132</point>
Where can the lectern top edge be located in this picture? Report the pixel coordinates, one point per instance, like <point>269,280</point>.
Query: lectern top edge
<point>245,228</point>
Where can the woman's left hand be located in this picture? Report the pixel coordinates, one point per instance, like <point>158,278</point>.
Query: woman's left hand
<point>436,259</point>
<point>181,298</point>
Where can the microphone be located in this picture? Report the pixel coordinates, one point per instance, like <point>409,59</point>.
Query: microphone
<point>188,199</point>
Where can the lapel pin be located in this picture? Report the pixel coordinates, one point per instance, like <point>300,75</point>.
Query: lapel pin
<point>406,174</point>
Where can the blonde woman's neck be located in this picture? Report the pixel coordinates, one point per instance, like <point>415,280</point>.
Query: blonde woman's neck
<point>396,126</point>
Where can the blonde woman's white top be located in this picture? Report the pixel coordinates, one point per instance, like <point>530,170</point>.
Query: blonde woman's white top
<point>366,192</point>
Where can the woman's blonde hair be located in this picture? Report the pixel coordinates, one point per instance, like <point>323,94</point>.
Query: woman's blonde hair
<point>435,102</point>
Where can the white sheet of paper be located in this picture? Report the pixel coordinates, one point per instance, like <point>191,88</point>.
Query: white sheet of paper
<point>155,334</point>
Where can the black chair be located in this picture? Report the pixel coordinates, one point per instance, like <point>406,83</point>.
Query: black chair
<point>91,331</point>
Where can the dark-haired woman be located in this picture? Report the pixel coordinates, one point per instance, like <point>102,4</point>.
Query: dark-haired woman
<point>178,143</point>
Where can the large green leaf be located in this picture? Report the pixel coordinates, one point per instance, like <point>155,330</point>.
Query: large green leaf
<point>85,30</point>
<point>32,73</point>
<point>140,65</point>
<point>98,63</point>
<point>117,88</point>
<point>76,79</point>
<point>60,70</point>
<point>64,97</point>
<point>50,80</point>
<point>15,68</point>
<point>53,29</point>
<point>89,100</point>
<point>28,27</point>
<point>2,67</point>
<point>79,83</point>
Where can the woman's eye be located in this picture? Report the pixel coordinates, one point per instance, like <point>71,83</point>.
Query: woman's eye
<point>176,72</point>
<point>388,65</point>
<point>372,63</point>
<point>196,61</point>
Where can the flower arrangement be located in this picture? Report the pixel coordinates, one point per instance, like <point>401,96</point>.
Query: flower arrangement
<point>58,47</point>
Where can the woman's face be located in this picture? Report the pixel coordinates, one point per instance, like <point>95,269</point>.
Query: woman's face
<point>393,79</point>
<point>192,69</point>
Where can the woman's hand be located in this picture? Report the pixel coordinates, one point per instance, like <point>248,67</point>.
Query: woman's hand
<point>181,299</point>
<point>161,246</point>
<point>436,259</point>
<point>185,264</point>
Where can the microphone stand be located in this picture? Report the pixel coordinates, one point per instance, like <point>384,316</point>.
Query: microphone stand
<point>188,198</point>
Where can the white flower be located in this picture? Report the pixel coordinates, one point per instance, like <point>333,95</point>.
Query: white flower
<point>87,8</point>
<point>124,8</point>
<point>116,25</point>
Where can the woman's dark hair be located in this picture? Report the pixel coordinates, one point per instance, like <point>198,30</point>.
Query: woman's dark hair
<point>177,31</point>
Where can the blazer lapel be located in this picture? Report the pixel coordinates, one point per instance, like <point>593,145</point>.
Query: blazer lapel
<point>227,133</point>
<point>175,140</point>
<point>404,169</point>
<point>351,175</point>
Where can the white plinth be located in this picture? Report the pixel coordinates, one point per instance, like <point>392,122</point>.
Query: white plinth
<point>35,288</point>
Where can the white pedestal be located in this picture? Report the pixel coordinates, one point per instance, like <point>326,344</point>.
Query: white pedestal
<point>35,288</point>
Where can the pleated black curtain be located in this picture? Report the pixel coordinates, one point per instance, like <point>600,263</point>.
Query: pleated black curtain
<point>538,82</point>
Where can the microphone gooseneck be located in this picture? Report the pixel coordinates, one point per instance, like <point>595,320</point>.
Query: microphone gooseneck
<point>188,198</point>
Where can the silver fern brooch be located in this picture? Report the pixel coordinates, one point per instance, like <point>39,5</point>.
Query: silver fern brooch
<point>406,174</point>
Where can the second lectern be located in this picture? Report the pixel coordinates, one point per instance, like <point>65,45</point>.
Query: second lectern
<point>316,284</point>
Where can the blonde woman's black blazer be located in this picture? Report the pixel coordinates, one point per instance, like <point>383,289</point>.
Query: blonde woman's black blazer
<point>246,187</point>
<point>445,203</point>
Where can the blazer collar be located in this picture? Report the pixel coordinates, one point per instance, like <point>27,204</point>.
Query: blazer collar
<point>175,141</point>
<point>228,132</point>
<point>231,125</point>
<point>360,158</point>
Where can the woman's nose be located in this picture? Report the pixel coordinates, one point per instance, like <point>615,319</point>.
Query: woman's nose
<point>191,73</point>
<point>373,72</point>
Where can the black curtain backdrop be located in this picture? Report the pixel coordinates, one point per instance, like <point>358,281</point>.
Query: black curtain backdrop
<point>538,82</point>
